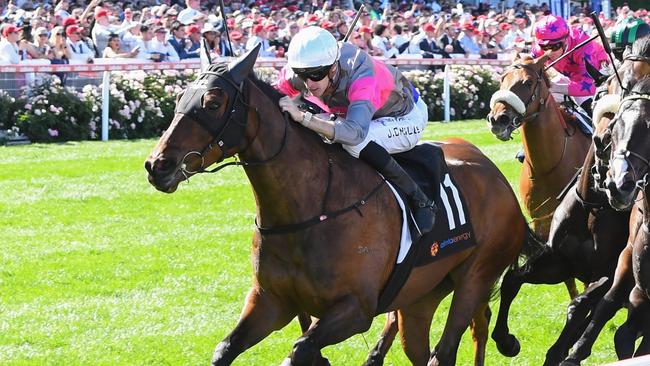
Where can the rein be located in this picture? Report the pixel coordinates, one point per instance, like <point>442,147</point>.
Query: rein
<point>220,142</point>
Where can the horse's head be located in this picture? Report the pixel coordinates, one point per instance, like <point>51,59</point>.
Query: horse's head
<point>209,125</point>
<point>524,88</point>
<point>630,152</point>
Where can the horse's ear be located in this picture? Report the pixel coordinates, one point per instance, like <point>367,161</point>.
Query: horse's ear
<point>542,59</point>
<point>240,68</point>
<point>516,57</point>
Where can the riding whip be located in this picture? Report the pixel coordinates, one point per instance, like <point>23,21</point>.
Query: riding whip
<point>608,49</point>
<point>204,54</point>
<point>354,22</point>
<point>225,26</point>
<point>578,46</point>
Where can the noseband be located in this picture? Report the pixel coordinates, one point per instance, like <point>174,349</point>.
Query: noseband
<point>514,101</point>
<point>232,134</point>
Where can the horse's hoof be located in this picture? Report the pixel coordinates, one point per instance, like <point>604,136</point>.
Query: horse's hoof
<point>286,362</point>
<point>510,347</point>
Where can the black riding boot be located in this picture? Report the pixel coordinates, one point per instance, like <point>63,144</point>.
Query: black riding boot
<point>424,209</point>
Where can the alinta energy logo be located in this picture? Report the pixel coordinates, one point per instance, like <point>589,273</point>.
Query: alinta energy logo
<point>436,246</point>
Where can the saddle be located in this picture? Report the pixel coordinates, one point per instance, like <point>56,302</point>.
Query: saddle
<point>453,230</point>
<point>577,116</point>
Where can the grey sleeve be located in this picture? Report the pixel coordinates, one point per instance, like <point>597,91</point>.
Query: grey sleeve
<point>354,128</point>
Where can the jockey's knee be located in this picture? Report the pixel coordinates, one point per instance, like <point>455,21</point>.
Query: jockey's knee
<point>355,150</point>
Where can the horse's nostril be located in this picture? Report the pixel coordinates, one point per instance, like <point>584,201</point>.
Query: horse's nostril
<point>148,166</point>
<point>503,119</point>
<point>163,165</point>
<point>627,186</point>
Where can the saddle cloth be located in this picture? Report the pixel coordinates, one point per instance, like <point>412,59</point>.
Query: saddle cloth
<point>452,231</point>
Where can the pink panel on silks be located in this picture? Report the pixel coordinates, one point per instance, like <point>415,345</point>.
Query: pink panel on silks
<point>375,88</point>
<point>284,85</point>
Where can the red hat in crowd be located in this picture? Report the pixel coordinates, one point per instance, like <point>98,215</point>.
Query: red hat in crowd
<point>230,22</point>
<point>101,13</point>
<point>504,26</point>
<point>312,18</point>
<point>428,27</point>
<point>271,27</point>
<point>258,28</point>
<point>72,29</point>
<point>193,29</point>
<point>292,8</point>
<point>467,26</point>
<point>10,29</point>
<point>235,35</point>
<point>327,25</point>
<point>365,29</point>
<point>69,21</point>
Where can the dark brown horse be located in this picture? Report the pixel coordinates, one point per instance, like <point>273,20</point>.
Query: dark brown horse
<point>328,226</point>
<point>554,151</point>
<point>622,190</point>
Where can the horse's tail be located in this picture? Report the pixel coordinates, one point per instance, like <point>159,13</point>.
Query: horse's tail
<point>532,247</point>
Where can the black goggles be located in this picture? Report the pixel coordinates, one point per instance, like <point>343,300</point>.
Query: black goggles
<point>313,73</point>
<point>552,46</point>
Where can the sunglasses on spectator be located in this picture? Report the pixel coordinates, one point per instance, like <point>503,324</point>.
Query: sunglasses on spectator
<point>59,34</point>
<point>313,73</point>
<point>552,46</point>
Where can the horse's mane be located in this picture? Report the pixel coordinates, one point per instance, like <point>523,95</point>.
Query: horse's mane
<point>641,86</point>
<point>641,47</point>
<point>267,89</point>
<point>221,68</point>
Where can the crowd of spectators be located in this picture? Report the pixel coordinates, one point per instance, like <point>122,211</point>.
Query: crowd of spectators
<point>166,30</point>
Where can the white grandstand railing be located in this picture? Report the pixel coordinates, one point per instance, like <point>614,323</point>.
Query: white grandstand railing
<point>103,65</point>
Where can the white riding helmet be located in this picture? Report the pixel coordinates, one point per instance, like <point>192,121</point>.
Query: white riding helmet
<point>312,47</point>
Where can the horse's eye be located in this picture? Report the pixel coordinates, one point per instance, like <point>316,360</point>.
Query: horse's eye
<point>213,106</point>
<point>528,83</point>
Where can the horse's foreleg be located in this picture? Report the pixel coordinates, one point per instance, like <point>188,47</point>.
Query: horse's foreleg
<point>343,320</point>
<point>415,324</point>
<point>471,292</point>
<point>638,316</point>
<point>577,319</point>
<point>261,315</point>
<point>547,268</point>
<point>607,307</point>
<point>480,329</point>
<point>378,353</point>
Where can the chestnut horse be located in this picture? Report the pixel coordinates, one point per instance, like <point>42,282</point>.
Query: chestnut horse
<point>554,151</point>
<point>328,226</point>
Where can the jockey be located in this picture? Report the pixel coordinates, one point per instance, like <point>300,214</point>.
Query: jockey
<point>625,32</point>
<point>578,72</point>
<point>379,111</point>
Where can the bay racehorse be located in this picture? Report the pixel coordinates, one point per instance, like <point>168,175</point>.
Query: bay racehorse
<point>328,226</point>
